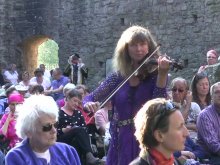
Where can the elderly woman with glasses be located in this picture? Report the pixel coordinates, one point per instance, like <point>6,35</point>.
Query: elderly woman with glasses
<point>160,131</point>
<point>36,125</point>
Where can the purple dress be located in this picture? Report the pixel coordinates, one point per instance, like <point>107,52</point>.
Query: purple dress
<point>126,102</point>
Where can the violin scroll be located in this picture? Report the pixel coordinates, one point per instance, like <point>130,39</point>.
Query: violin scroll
<point>178,64</point>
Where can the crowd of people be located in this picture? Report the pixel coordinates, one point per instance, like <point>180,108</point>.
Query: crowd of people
<point>52,116</point>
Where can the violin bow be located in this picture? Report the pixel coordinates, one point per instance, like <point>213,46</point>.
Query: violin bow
<point>128,77</point>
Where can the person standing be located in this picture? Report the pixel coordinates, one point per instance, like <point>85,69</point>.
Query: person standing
<point>135,44</point>
<point>76,69</point>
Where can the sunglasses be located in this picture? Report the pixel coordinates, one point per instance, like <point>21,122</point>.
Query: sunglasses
<point>179,90</point>
<point>49,126</point>
<point>168,106</point>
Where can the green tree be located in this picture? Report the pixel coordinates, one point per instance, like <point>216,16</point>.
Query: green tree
<point>48,54</point>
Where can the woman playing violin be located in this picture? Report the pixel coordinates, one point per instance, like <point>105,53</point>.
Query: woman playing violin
<point>135,44</point>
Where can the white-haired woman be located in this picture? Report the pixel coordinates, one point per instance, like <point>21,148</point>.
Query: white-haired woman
<point>36,124</point>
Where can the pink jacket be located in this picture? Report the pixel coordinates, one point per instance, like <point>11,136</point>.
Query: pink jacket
<point>11,133</point>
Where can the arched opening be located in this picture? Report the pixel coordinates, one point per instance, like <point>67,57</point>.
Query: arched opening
<point>31,55</point>
<point>48,54</point>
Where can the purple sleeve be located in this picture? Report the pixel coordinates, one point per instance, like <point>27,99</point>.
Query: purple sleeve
<point>208,133</point>
<point>101,93</point>
<point>159,92</point>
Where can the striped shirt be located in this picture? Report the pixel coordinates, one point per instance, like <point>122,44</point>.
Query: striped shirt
<point>208,125</point>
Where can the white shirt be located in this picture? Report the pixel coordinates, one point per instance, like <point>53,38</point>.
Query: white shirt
<point>46,83</point>
<point>12,77</point>
<point>45,155</point>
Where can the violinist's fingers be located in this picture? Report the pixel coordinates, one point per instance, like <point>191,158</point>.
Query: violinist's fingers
<point>92,106</point>
<point>163,62</point>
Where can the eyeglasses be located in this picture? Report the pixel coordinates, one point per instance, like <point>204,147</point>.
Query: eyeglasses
<point>168,106</point>
<point>179,90</point>
<point>49,126</point>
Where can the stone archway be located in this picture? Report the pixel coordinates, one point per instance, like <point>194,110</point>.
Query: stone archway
<point>29,49</point>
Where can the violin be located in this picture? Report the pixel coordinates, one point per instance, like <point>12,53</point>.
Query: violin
<point>151,67</point>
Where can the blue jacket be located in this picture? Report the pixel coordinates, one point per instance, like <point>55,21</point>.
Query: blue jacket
<point>194,148</point>
<point>61,154</point>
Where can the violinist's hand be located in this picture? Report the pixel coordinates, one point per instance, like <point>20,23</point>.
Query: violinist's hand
<point>163,64</point>
<point>92,106</point>
<point>163,68</point>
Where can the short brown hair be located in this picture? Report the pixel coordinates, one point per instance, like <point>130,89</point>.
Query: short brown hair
<point>154,115</point>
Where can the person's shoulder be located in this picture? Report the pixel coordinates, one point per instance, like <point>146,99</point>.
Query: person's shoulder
<point>206,113</point>
<point>33,79</point>
<point>20,151</point>
<point>195,106</point>
<point>139,161</point>
<point>63,147</point>
<point>46,79</point>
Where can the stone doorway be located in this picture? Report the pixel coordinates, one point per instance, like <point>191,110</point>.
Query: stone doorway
<point>29,50</point>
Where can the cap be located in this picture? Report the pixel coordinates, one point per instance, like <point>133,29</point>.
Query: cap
<point>212,51</point>
<point>15,97</point>
<point>75,56</point>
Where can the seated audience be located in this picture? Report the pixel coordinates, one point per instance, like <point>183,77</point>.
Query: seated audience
<point>36,90</point>
<point>66,88</point>
<point>2,81</point>
<point>46,72</point>
<point>56,90</point>
<point>211,58</point>
<point>9,89</point>
<point>101,118</point>
<point>208,126</point>
<point>191,151</point>
<point>190,110</point>
<point>71,127</point>
<point>2,157</point>
<point>8,121</point>
<point>200,86</point>
<point>25,79</point>
<point>40,79</point>
<point>160,131</point>
<point>11,75</point>
<point>36,125</point>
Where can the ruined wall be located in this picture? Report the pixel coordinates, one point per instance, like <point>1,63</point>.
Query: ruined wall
<point>186,29</point>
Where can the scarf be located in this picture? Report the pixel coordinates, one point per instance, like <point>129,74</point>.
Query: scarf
<point>159,158</point>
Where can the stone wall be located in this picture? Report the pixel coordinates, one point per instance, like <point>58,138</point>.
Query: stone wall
<point>186,29</point>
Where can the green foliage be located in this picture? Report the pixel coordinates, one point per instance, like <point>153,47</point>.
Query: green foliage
<point>48,54</point>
